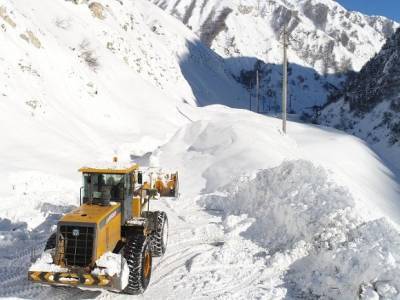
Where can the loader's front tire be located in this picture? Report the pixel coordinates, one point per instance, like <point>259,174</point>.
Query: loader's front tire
<point>159,237</point>
<point>137,253</point>
<point>51,242</point>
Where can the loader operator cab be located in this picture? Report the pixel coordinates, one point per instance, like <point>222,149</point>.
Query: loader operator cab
<point>101,189</point>
<point>113,183</point>
<point>110,184</point>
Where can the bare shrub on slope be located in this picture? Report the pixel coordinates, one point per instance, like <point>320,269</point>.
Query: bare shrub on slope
<point>88,55</point>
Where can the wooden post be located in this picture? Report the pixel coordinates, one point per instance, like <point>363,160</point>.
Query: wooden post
<point>250,92</point>
<point>285,79</point>
<point>258,93</point>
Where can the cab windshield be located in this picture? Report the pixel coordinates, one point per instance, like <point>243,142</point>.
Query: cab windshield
<point>103,188</point>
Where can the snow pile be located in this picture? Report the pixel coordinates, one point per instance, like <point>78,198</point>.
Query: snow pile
<point>45,264</point>
<point>369,258</point>
<point>113,264</point>
<point>292,202</point>
<point>297,209</point>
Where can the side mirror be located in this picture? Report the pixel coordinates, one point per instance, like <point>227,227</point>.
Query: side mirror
<point>140,178</point>
<point>80,196</point>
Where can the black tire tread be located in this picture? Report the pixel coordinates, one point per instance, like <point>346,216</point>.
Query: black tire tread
<point>133,253</point>
<point>158,249</point>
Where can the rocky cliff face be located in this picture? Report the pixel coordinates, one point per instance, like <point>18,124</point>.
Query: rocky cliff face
<point>379,80</point>
<point>369,104</point>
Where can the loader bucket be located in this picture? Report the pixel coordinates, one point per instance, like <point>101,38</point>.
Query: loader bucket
<point>169,187</point>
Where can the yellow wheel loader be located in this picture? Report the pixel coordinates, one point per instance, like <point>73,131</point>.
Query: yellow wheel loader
<point>114,218</point>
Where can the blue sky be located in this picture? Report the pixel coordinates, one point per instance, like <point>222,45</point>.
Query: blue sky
<point>388,8</point>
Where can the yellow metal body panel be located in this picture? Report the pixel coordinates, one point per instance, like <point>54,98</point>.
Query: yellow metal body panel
<point>111,170</point>
<point>89,213</point>
<point>109,235</point>
<point>136,207</point>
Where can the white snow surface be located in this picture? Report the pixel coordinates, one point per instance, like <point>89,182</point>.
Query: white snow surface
<point>113,264</point>
<point>264,215</point>
<point>109,264</point>
<point>45,264</point>
<point>261,215</point>
<point>92,90</point>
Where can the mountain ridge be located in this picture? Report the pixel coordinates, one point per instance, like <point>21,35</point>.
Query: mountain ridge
<point>324,37</point>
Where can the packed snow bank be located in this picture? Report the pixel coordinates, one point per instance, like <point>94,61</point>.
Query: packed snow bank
<point>113,264</point>
<point>221,144</point>
<point>298,209</point>
<point>45,264</point>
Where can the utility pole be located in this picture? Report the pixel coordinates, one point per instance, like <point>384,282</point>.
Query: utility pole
<point>258,92</point>
<point>250,93</point>
<point>285,80</point>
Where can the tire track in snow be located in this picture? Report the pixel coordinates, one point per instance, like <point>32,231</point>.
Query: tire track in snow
<point>241,284</point>
<point>193,239</point>
<point>167,268</point>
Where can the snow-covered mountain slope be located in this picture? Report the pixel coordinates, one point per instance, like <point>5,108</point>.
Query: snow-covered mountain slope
<point>261,216</point>
<point>369,104</point>
<point>323,33</point>
<point>79,81</point>
<point>325,38</point>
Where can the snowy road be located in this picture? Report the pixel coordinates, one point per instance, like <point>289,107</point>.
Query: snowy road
<point>203,261</point>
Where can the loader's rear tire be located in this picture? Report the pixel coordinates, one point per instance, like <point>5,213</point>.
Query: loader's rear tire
<point>51,242</point>
<point>159,237</point>
<point>137,253</point>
